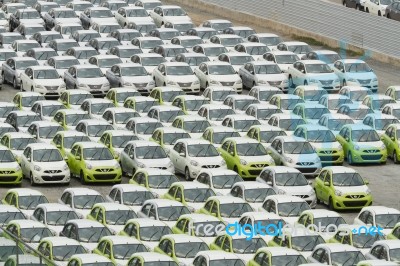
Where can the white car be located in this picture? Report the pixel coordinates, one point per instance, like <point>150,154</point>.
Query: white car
<point>176,74</point>
<point>254,193</point>
<point>299,48</point>
<point>21,120</point>
<point>17,142</point>
<point>335,254</point>
<point>376,7</point>
<point>84,36</point>
<point>118,116</point>
<point>256,50</point>
<point>241,123</point>
<point>189,156</point>
<point>288,181</point>
<point>66,29</point>
<point>144,154</point>
<point>218,74</point>
<point>74,98</point>
<point>130,195</point>
<point>217,94</point>
<point>117,95</point>
<point>41,54</point>
<point>44,131</point>
<point>380,122</point>
<point>284,59</point>
<point>95,107</point>
<point>42,79</point>
<point>378,216</point>
<point>130,75</point>
<point>80,199</point>
<point>192,124</point>
<point>43,163</point>
<point>188,41</point>
<point>149,61</point>
<point>211,50</point>
<point>61,63</point>
<point>190,104</point>
<point>78,6</point>
<point>219,180</point>
<point>105,28</point>
<point>165,114</point>
<point>104,62</point>
<point>86,77</point>
<point>146,43</point>
<point>355,93</point>
<point>143,127</point>
<point>215,113</point>
<point>385,251</point>
<point>297,153</point>
<point>236,59</point>
<point>392,109</point>
<point>217,24</point>
<point>227,40</point>
<point>168,13</point>
<point>269,39</point>
<point>46,109</point>
<point>330,101</point>
<point>313,72</point>
<point>128,14</point>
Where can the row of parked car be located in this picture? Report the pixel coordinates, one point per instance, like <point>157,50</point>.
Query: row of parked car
<point>384,8</point>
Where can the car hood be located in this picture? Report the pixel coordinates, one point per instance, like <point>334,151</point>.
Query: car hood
<point>195,135</point>
<point>101,20</point>
<point>306,254</point>
<point>245,257</point>
<point>92,81</point>
<point>67,20</point>
<point>150,244</point>
<point>149,69</point>
<point>141,79</point>
<point>115,228</point>
<point>208,160</point>
<point>83,212</point>
<point>94,139</point>
<point>228,220</point>
<point>159,191</point>
<point>12,165</point>
<point>154,162</point>
<point>27,213</point>
<point>31,21</point>
<point>49,82</point>
<point>102,163</point>
<point>272,77</point>
<point>303,157</point>
<point>369,145</point>
<point>225,78</point>
<point>290,220</point>
<point>284,67</point>
<point>54,165</point>
<point>255,205</point>
<point>362,75</point>
<point>56,228</point>
<point>326,145</point>
<point>323,76</point>
<point>89,246</point>
<point>121,262</point>
<point>174,19</point>
<point>297,190</point>
<point>139,19</point>
<point>186,78</point>
<point>195,205</point>
<point>255,159</point>
<point>352,189</point>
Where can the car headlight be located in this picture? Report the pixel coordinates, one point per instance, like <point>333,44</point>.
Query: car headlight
<point>141,165</point>
<point>214,82</point>
<point>262,82</point>
<point>317,160</point>
<point>117,166</point>
<point>374,79</point>
<point>82,85</point>
<point>223,163</point>
<point>194,163</point>
<point>383,147</point>
<point>340,148</point>
<point>352,80</point>
<point>37,168</point>
<point>151,82</point>
<point>356,147</point>
<point>196,82</point>
<point>239,81</point>
<point>313,81</point>
<point>127,84</point>
<point>288,159</point>
<point>65,167</point>
<point>368,191</point>
<point>17,168</point>
<point>338,193</point>
<point>337,80</point>
<point>89,166</point>
<point>117,153</point>
<point>170,164</point>
<point>281,192</point>
<point>171,83</point>
<point>243,162</point>
<point>38,86</point>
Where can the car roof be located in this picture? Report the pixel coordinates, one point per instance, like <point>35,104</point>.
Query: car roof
<point>45,146</point>
<point>43,123</point>
<point>392,244</point>
<point>191,97</point>
<point>285,198</point>
<point>163,202</point>
<point>94,122</point>
<point>51,207</point>
<point>240,117</point>
<point>120,132</point>
<point>226,199</point>
<point>359,127</point>
<point>313,127</point>
<point>381,210</point>
<point>252,185</point>
<point>191,118</point>
<point>16,135</point>
<point>165,108</point>
<point>340,169</point>
<point>143,143</point>
<point>118,239</point>
<point>337,247</point>
<point>81,191</point>
<point>89,144</point>
<point>25,192</point>
<point>262,215</point>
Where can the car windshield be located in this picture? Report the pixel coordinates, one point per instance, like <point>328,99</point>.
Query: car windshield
<point>150,152</point>
<point>11,39</point>
<point>229,41</point>
<point>306,243</point>
<point>109,62</point>
<point>189,249</point>
<point>269,136</point>
<point>169,116</point>
<point>320,136</point>
<point>286,59</point>
<point>145,28</point>
<point>121,141</point>
<point>47,38</point>
<point>68,30</point>
<point>49,132</point>
<point>240,60</point>
<point>194,105</point>
<point>50,110</point>
<point>246,246</point>
<point>221,70</point>
<point>80,6</point>
<point>23,47</point>
<point>379,104</point>
<point>257,50</point>
<point>125,251</point>
<point>24,64</point>
<point>77,99</point>
<point>87,36</point>
<point>244,103</point>
<point>219,114</point>
<point>172,213</point>
<point>290,124</point>
<point>174,12</point>
<point>314,95</point>
<point>110,28</point>
<point>257,194</point>
<point>193,61</point>
<point>69,141</point>
<point>220,95</point>
<point>105,45</point>
<point>20,143</point>
<point>34,234</point>
<point>104,13</point>
<point>98,108</point>
<point>250,149</point>
<point>196,126</point>
<point>144,106</point>
<point>98,130</point>
<point>318,68</point>
<point>202,150</point>
<point>365,240</point>
<point>219,137</point>
<point>147,128</point>
<point>266,95</point>
<point>92,234</point>
<point>122,96</point>
<point>86,202</point>
<point>171,138</point>
<point>267,69</point>
<point>5,217</point>
<point>31,202</point>
<point>347,179</point>
<point>58,218</point>
<point>128,51</point>
<point>347,258</point>
<point>47,155</point>
<point>394,254</point>
<point>234,210</point>
<point>7,251</point>
<point>244,125</point>
<point>198,194</point>
<point>325,221</point>
<point>299,49</point>
<point>298,147</point>
<point>119,217</point>
<point>89,73</point>
<point>46,74</point>
<point>26,120</point>
<point>97,154</point>
<point>6,128</point>
<point>44,55</point>
<point>179,70</point>
<point>74,119</point>
<point>364,135</point>
<point>168,35</point>
<point>359,95</point>
<point>122,118</point>
<point>153,233</point>
<point>334,104</point>
<point>270,41</point>
<point>288,260</point>
<point>337,124</point>
<point>357,67</point>
<point>136,13</point>
<point>169,96</point>
<point>266,114</point>
<point>387,221</point>
<point>292,209</point>
<point>6,156</point>
<point>152,61</point>
<point>289,104</point>
<point>133,72</point>
<point>290,179</point>
<point>149,44</point>
<point>161,181</point>
<point>4,111</point>
<point>225,181</point>
<point>6,55</point>
<point>136,198</point>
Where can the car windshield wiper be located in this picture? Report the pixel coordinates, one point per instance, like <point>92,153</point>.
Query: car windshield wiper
<point>151,237</point>
<point>66,255</point>
<point>287,181</point>
<point>172,214</point>
<point>195,198</point>
<point>189,252</point>
<point>90,237</point>
<point>290,212</point>
<point>119,218</point>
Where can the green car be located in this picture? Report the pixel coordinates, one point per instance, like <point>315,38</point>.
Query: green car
<point>245,156</point>
<point>23,260</point>
<point>167,136</point>
<point>342,188</point>
<point>17,142</point>
<point>323,141</point>
<point>25,99</point>
<point>391,138</point>
<point>265,134</point>
<point>10,171</point>
<point>57,249</point>
<point>199,222</point>
<point>64,140</point>
<point>118,95</point>
<point>310,112</point>
<point>140,104</point>
<point>89,260</point>
<point>119,248</point>
<point>360,240</point>
<point>155,180</point>
<point>69,118</point>
<point>165,95</point>
<point>190,104</point>
<point>116,140</point>
<point>276,256</point>
<point>180,247</point>
<point>361,144</point>
<point>235,244</point>
<point>24,198</point>
<point>93,162</point>
<point>217,134</point>
<point>301,242</point>
<point>395,233</point>
<point>191,194</point>
<point>73,99</point>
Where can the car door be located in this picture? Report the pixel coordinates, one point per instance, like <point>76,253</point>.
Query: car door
<point>276,150</point>
<point>25,161</point>
<point>344,139</point>
<point>201,73</point>
<point>159,74</point>
<point>8,70</point>
<point>326,186</point>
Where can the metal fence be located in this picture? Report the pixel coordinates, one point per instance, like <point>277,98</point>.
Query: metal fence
<point>346,25</point>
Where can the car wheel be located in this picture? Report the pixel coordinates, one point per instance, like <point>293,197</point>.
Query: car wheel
<point>349,158</point>
<point>32,89</point>
<point>318,201</point>
<point>235,168</point>
<point>344,83</point>
<point>32,180</point>
<point>187,174</point>
<point>388,16</point>
<point>82,178</point>
<point>305,83</point>
<point>330,204</point>
<point>133,171</point>
<point>291,84</point>
<point>379,14</point>
<point>367,10</point>
<point>395,160</point>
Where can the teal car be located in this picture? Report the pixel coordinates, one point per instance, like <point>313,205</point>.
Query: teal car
<point>118,95</point>
<point>64,140</point>
<point>361,144</point>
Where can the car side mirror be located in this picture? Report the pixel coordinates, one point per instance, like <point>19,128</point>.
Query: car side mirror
<point>366,182</point>
<point>178,199</point>
<point>78,158</point>
<point>182,154</point>
<point>214,214</point>
<point>326,184</point>
<point>269,183</point>
<point>346,138</point>
<point>58,146</point>
<point>29,159</point>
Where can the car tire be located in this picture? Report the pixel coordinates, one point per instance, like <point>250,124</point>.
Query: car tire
<point>349,158</point>
<point>344,83</point>
<point>32,90</point>
<point>367,10</point>
<point>379,14</point>
<point>187,174</point>
<point>33,183</point>
<point>235,168</point>
<point>388,16</point>
<point>82,178</point>
<point>133,171</point>
<point>291,84</point>
<point>330,204</point>
<point>318,201</point>
<point>395,160</point>
<point>305,83</point>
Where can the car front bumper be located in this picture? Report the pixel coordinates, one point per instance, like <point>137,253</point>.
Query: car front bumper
<point>331,156</point>
<point>252,170</point>
<point>99,175</point>
<point>10,176</point>
<point>360,156</point>
<point>51,176</point>
<point>352,201</point>
<point>373,85</point>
